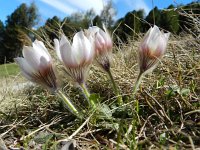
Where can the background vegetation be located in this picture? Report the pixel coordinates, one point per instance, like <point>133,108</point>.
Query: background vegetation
<point>19,26</point>
<point>10,69</point>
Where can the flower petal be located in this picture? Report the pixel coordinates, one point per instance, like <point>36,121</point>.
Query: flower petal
<point>40,48</point>
<point>93,30</point>
<point>81,47</point>
<point>108,38</point>
<point>153,39</point>
<point>33,57</point>
<point>64,40</point>
<point>41,45</point>
<point>25,68</point>
<point>167,35</point>
<point>57,48</point>
<point>67,55</point>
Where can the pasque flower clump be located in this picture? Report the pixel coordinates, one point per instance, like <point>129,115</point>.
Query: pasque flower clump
<point>77,57</point>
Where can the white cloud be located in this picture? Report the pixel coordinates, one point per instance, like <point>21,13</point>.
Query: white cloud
<point>71,6</point>
<point>97,5</point>
<point>138,4</point>
<point>60,5</point>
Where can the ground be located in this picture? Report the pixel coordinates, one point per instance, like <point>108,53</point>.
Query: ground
<point>164,114</point>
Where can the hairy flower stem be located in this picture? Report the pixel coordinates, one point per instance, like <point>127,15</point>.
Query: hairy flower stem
<point>116,90</point>
<point>87,95</point>
<point>70,106</point>
<point>136,102</point>
<point>137,83</point>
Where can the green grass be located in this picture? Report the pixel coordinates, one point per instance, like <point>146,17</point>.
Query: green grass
<point>7,70</point>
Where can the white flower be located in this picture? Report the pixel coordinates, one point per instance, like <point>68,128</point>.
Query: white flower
<point>103,46</point>
<point>103,41</point>
<point>76,57</point>
<point>152,48</point>
<point>36,65</point>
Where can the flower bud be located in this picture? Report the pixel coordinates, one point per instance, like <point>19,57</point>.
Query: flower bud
<point>152,48</point>
<point>103,46</point>
<point>76,57</point>
<point>36,65</point>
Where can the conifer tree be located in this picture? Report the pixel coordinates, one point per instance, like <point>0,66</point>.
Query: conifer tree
<point>154,17</point>
<point>2,50</point>
<point>19,24</point>
<point>170,19</point>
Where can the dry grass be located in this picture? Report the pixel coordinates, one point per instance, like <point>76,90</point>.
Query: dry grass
<point>165,117</point>
<point>11,87</point>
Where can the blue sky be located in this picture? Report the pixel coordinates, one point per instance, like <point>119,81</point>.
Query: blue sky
<point>62,8</point>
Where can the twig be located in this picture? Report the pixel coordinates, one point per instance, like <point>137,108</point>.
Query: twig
<point>76,132</point>
<point>163,110</point>
<point>194,111</point>
<point>120,145</point>
<point>39,129</point>
<point>13,126</point>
